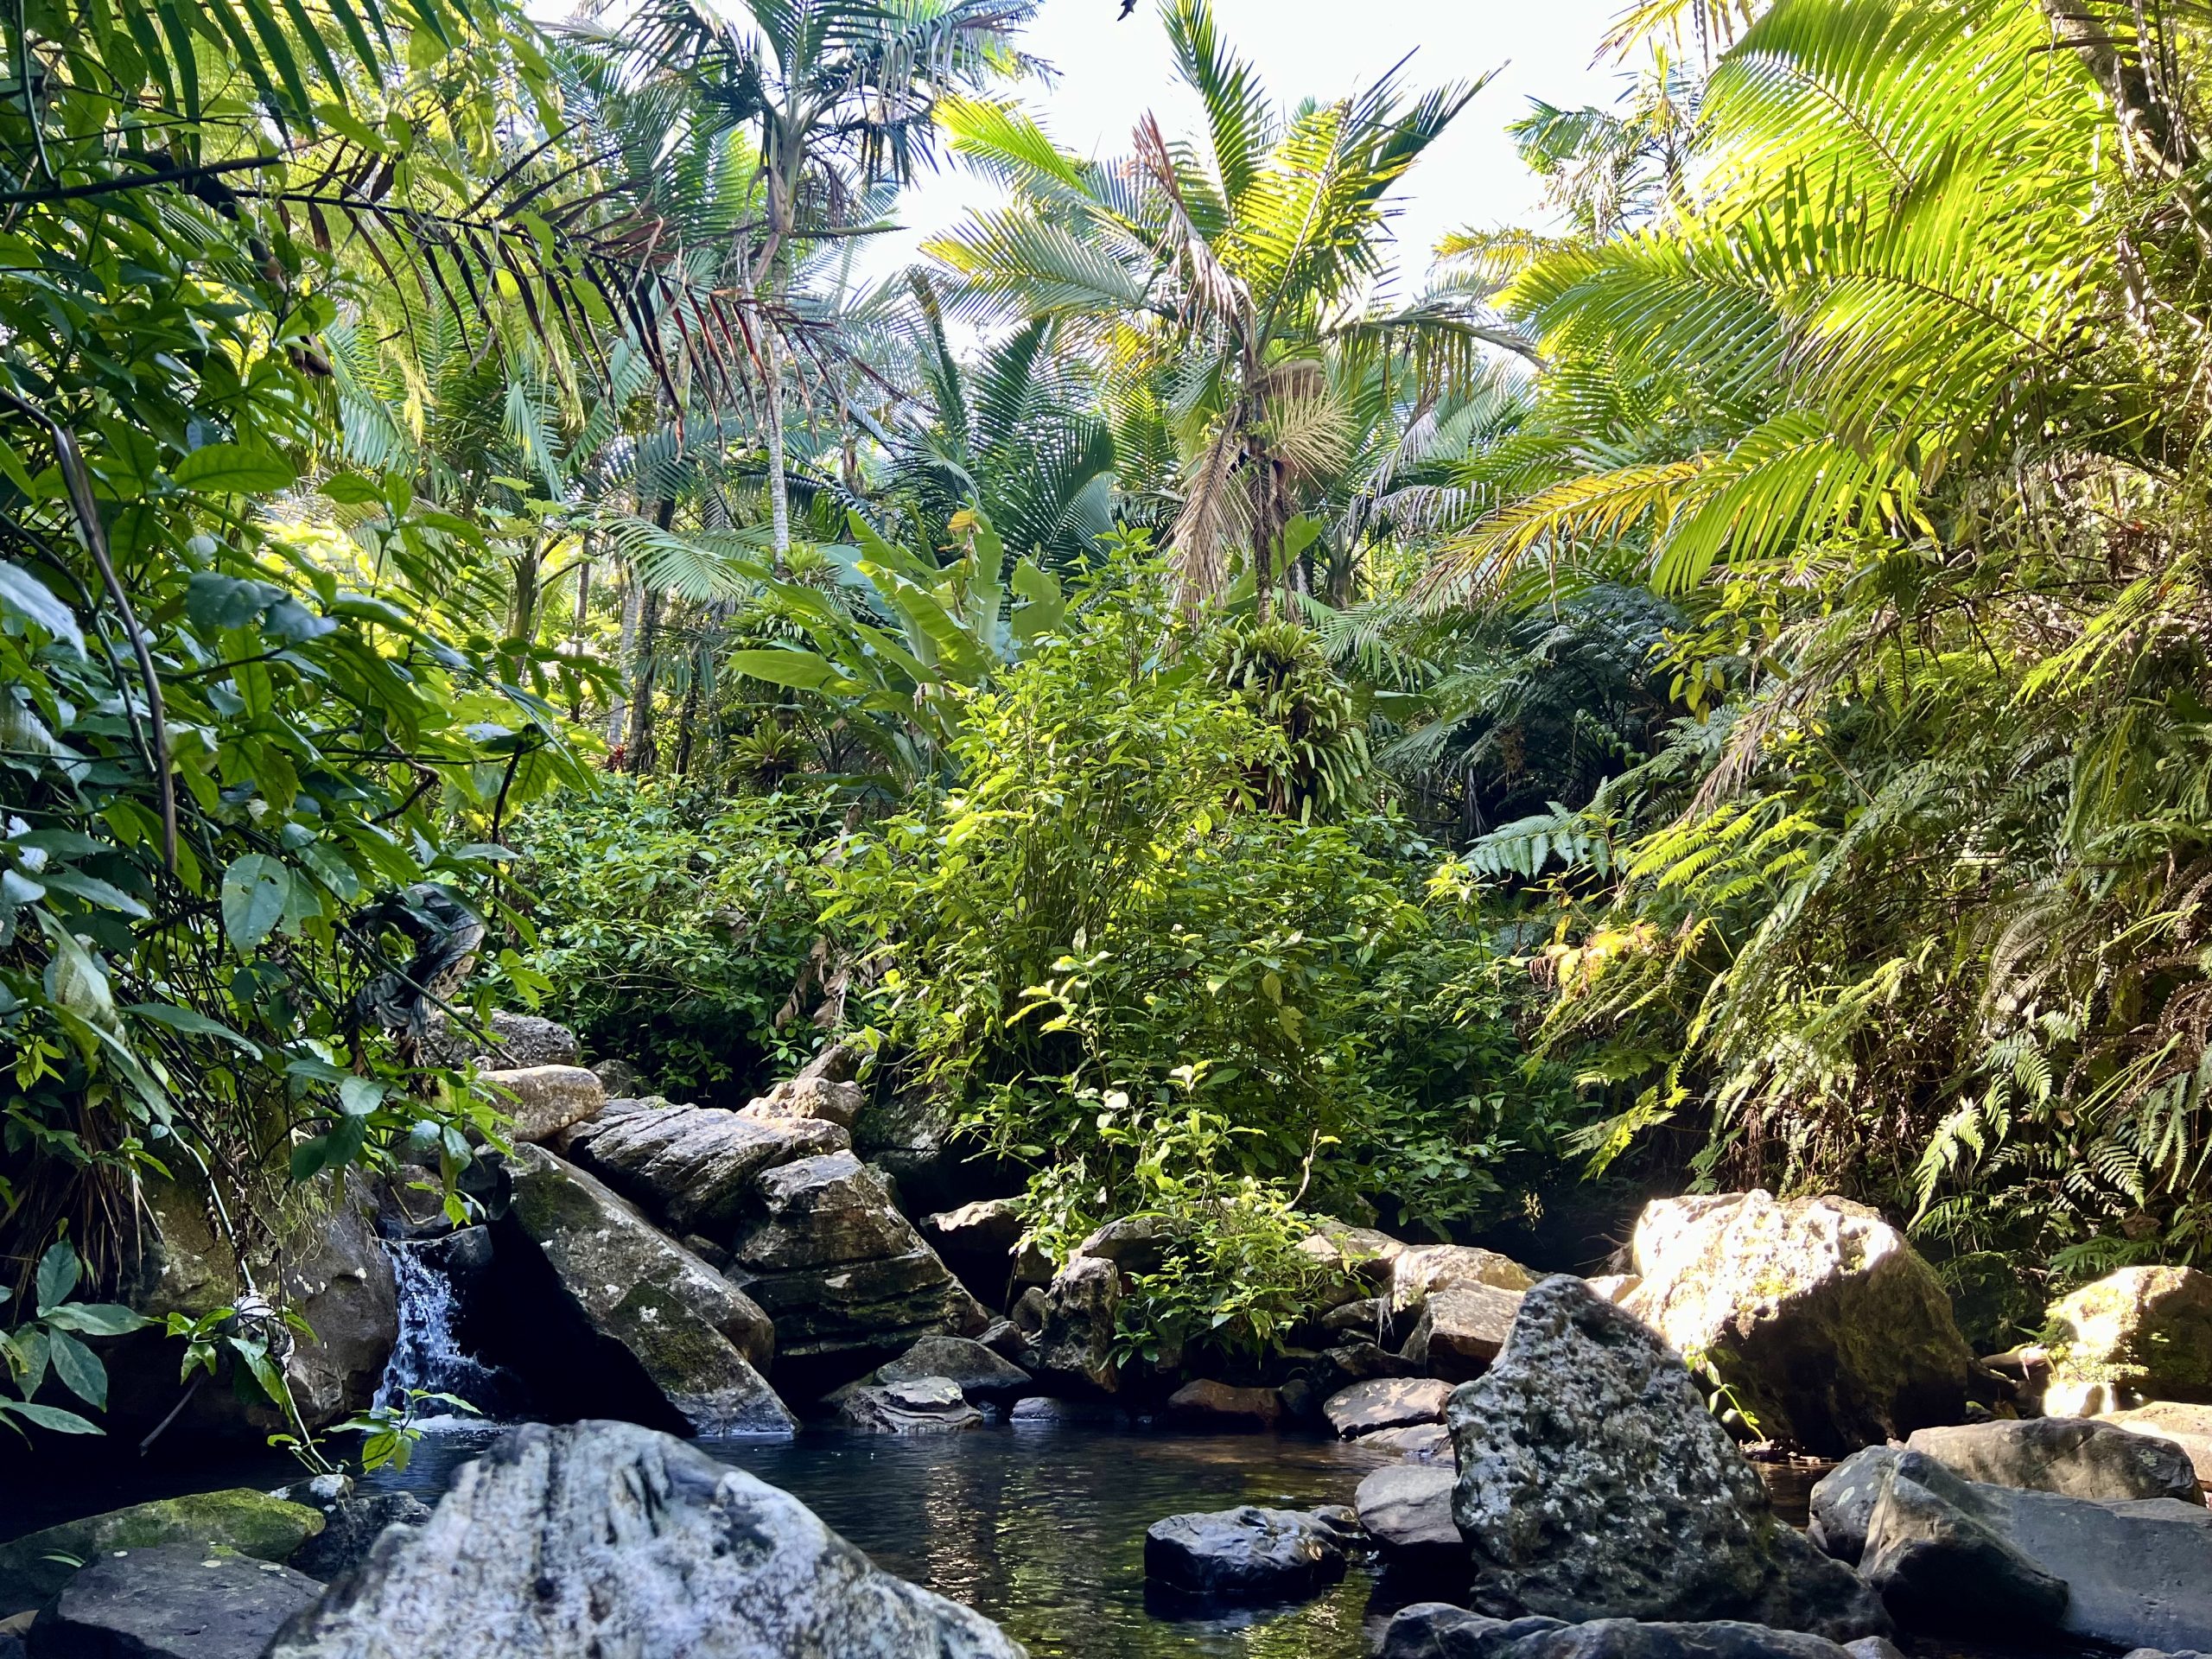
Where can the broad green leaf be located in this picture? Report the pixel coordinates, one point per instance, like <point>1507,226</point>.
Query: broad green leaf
<point>97,1318</point>
<point>79,1369</point>
<point>192,1024</point>
<point>234,469</point>
<point>52,1418</point>
<point>25,596</point>
<point>803,670</point>
<point>59,1271</point>
<point>255,889</point>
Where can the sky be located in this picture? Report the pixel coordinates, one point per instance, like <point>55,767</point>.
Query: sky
<point>1112,72</point>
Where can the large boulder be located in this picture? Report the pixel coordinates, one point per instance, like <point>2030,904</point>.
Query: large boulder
<point>1075,1346</point>
<point>1940,1564</point>
<point>692,1168</point>
<point>1438,1630</point>
<point>2188,1427</point>
<point>1826,1327</point>
<point>33,1568</point>
<point>2136,1574</point>
<point>695,1338</point>
<point>1593,1484</point>
<point>602,1539</point>
<point>544,1100</point>
<point>1462,1329</point>
<point>2077,1457</point>
<point>1248,1553</point>
<point>1386,1403</point>
<point>332,1270</point>
<point>813,1097</point>
<point>845,1276</point>
<point>2140,1334</point>
<point>173,1601</point>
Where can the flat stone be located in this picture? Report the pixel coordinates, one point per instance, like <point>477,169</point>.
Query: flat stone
<point>1462,1329</point>
<point>992,1225</point>
<point>1418,1271</point>
<point>1939,1566</point>
<point>1134,1243</point>
<point>693,1335</point>
<point>1422,1443</point>
<point>517,1040</point>
<point>1409,1506</point>
<point>830,1101</point>
<point>2076,1457</point>
<point>1217,1406</point>
<point>544,1100</point>
<point>1826,1325</point>
<point>1361,1252</point>
<point>605,1539</point>
<point>1615,1287</point>
<point>2189,1426</point>
<point>241,1522</point>
<point>1245,1555</point>
<point>1438,1631</point>
<point>917,1405</point>
<point>1594,1483</point>
<point>173,1601</point>
<point>979,1373</point>
<point>693,1167</point>
<point>1362,1318</point>
<point>824,1211</point>
<point>1386,1403</point>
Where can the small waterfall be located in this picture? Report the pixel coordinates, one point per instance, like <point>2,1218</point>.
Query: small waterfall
<point>428,1358</point>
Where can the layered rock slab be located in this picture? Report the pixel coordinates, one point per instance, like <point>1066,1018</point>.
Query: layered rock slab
<point>604,1539</point>
<point>174,1601</point>
<point>699,1341</point>
<point>693,1167</point>
<point>34,1568</point>
<point>1593,1484</point>
<point>1438,1630</point>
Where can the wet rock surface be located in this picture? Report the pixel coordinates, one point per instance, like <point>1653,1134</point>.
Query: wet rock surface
<point>603,1539</point>
<point>976,1370</point>
<point>1594,1483</point>
<point>916,1405</point>
<point>1409,1506</point>
<point>1437,1630</point>
<point>1386,1403</point>
<point>173,1601</point>
<point>1248,1553</point>
<point>1221,1409</point>
<point>36,1567</point>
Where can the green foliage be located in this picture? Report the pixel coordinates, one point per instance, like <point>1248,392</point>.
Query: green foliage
<point>50,1343</point>
<point>677,930</point>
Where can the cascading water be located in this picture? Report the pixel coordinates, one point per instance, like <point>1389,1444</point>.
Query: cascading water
<point>428,1358</point>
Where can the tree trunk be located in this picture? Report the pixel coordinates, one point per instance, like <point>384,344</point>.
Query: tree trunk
<point>626,657</point>
<point>779,500</point>
<point>643,668</point>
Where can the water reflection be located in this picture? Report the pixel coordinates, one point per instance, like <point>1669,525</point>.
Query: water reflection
<point>1043,1530</point>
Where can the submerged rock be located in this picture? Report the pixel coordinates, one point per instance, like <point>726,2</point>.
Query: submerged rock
<point>914,1405</point>
<point>1828,1328</point>
<point>173,1601</point>
<point>33,1567</point>
<point>1248,1553</point>
<point>1220,1406</point>
<point>1436,1631</point>
<point>978,1372</point>
<point>1593,1484</point>
<point>2073,1456</point>
<point>1386,1403</point>
<point>692,1168</point>
<point>605,1539</point>
<point>694,1335</point>
<point>2140,1334</point>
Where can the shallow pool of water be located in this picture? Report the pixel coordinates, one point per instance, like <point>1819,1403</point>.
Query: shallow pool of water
<point>1043,1528</point>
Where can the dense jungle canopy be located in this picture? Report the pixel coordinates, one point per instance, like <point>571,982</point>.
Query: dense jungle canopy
<point>1712,693</point>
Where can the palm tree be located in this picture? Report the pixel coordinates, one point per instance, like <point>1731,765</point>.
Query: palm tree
<point>838,96</point>
<point>1227,273</point>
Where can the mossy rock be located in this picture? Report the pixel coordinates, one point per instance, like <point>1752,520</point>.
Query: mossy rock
<point>251,1523</point>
